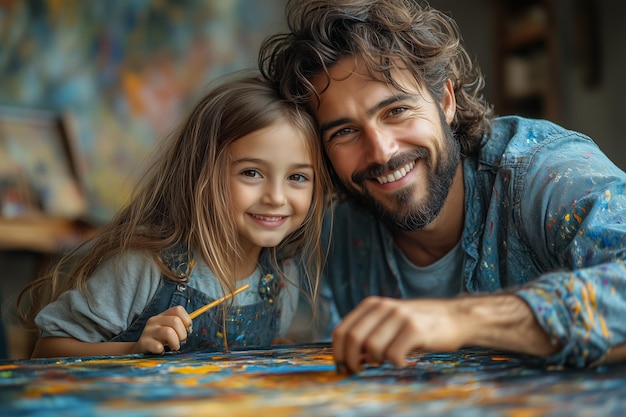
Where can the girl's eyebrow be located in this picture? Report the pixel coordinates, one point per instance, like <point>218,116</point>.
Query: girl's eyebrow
<point>370,112</point>
<point>261,161</point>
<point>240,160</point>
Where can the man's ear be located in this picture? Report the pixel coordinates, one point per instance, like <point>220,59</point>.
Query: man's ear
<point>448,102</point>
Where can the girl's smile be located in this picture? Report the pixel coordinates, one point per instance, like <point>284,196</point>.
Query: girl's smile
<point>269,220</point>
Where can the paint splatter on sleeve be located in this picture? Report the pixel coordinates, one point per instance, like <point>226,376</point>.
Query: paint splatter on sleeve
<point>582,311</point>
<point>582,307</point>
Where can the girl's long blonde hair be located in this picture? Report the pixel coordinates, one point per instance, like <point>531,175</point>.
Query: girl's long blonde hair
<point>183,197</point>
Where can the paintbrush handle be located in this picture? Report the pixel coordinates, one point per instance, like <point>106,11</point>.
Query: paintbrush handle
<point>217,302</point>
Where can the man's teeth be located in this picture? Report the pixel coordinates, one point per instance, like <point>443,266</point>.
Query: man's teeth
<point>397,174</point>
<point>267,219</point>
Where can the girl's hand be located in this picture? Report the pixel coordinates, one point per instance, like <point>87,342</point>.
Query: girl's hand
<point>168,328</point>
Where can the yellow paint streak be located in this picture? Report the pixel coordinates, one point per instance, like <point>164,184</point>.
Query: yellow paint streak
<point>587,303</point>
<point>196,370</point>
<point>567,217</point>
<point>188,382</point>
<point>134,363</point>
<point>592,295</point>
<point>49,389</point>
<point>605,330</point>
<point>529,411</point>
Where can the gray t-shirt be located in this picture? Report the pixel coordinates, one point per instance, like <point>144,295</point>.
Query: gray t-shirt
<point>120,289</point>
<point>443,278</point>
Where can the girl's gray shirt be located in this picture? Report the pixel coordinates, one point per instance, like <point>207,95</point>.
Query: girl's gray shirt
<point>122,288</point>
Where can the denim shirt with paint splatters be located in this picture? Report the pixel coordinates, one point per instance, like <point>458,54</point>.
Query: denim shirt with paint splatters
<point>545,217</point>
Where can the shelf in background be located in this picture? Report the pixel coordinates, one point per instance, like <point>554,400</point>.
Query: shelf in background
<point>42,234</point>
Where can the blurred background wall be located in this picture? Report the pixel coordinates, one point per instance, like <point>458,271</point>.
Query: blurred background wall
<point>587,57</point>
<point>126,70</point>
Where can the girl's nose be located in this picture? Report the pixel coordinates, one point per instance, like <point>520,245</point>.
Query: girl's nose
<point>275,194</point>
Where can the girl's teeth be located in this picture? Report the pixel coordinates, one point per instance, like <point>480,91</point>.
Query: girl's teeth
<point>269,219</point>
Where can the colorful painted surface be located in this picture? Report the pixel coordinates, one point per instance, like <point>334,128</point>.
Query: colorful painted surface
<point>301,380</point>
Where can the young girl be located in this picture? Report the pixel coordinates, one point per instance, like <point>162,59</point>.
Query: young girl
<point>232,199</point>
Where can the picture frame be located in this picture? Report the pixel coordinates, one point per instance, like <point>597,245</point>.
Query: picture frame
<point>40,171</point>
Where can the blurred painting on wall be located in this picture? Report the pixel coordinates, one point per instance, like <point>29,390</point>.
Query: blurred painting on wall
<point>39,174</point>
<point>126,70</point>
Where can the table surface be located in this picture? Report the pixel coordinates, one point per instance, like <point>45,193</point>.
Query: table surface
<point>301,380</point>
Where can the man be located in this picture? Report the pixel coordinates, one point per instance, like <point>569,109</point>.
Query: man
<point>459,228</point>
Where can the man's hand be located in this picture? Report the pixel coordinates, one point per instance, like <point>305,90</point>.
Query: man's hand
<point>385,329</point>
<point>168,328</point>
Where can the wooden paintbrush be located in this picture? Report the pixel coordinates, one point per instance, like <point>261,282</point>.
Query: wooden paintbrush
<point>216,302</point>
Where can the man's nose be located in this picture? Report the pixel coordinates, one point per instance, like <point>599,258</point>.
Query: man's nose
<point>380,144</point>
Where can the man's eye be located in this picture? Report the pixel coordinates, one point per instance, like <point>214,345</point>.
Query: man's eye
<point>344,131</point>
<point>341,132</point>
<point>396,111</point>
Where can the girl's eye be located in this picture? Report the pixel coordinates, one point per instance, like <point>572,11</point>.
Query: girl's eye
<point>298,178</point>
<point>252,173</point>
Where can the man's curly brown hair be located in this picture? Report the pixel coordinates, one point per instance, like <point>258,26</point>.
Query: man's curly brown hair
<point>385,35</point>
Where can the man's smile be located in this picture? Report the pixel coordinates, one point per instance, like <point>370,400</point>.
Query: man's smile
<point>397,174</point>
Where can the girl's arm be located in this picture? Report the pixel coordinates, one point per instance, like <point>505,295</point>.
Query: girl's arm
<point>54,347</point>
<point>168,328</point>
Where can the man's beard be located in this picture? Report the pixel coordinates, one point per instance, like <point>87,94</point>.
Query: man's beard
<point>409,216</point>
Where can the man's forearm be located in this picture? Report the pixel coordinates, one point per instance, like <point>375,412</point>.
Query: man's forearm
<point>615,354</point>
<point>505,322</point>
